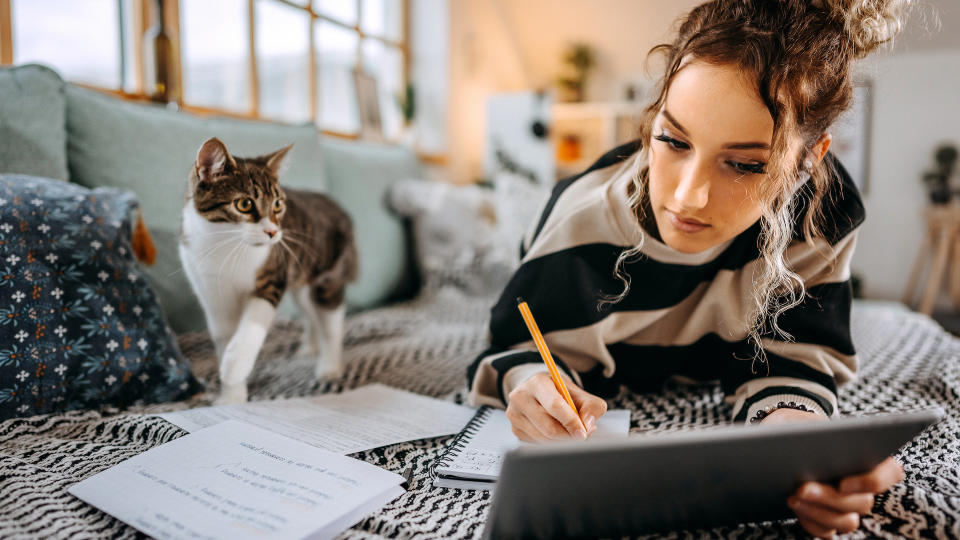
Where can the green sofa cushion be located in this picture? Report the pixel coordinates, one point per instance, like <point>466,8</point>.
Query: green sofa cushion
<point>149,150</point>
<point>32,122</point>
<point>359,174</point>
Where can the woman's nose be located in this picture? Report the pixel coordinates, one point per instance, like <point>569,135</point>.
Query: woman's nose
<point>693,189</point>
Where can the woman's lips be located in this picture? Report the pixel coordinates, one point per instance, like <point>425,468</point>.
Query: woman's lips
<point>684,224</point>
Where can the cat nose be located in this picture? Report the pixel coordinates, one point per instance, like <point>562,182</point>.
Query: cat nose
<point>270,232</point>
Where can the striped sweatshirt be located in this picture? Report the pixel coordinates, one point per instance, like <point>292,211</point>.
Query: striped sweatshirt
<point>685,314</point>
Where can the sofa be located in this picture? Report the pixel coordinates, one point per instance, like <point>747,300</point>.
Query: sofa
<point>420,339</point>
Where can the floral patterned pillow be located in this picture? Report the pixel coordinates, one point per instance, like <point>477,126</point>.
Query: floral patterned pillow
<point>80,325</point>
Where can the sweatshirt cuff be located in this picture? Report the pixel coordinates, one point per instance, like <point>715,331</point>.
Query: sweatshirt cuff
<point>770,396</point>
<point>516,376</point>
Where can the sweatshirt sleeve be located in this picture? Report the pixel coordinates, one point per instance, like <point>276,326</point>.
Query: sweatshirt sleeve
<point>495,373</point>
<point>807,368</point>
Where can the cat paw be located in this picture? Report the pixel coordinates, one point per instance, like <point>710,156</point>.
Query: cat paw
<point>231,395</point>
<point>326,370</point>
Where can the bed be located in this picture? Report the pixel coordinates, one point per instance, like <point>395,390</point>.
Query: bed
<point>424,345</point>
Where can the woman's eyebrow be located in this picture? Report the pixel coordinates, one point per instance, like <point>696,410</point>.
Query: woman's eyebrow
<point>673,121</point>
<point>734,146</point>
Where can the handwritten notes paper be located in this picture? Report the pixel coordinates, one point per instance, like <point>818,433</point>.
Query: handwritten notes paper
<point>234,480</point>
<point>368,417</point>
<point>475,463</point>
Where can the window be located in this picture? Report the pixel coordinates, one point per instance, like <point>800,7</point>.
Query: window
<point>299,65</point>
<point>66,35</point>
<point>214,54</point>
<point>287,60</point>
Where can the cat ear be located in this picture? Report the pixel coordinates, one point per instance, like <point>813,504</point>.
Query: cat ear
<point>277,161</point>
<point>213,159</point>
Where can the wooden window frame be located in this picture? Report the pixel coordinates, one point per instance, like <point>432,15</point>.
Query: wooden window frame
<point>143,19</point>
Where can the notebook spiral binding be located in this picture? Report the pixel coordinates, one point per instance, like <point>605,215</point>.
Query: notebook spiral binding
<point>460,442</point>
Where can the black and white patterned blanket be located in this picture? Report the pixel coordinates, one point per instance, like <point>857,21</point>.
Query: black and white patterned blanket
<point>424,345</point>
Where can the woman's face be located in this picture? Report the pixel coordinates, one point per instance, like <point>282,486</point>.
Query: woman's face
<point>709,148</point>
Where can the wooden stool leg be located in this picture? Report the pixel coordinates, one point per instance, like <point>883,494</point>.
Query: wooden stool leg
<point>955,271</point>
<point>910,293</point>
<point>942,247</point>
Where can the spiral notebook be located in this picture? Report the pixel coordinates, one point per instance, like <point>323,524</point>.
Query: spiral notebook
<point>474,458</point>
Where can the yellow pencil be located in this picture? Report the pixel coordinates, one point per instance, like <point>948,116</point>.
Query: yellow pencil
<point>547,357</point>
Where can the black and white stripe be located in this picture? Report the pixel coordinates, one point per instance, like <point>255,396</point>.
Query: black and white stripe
<point>685,315</point>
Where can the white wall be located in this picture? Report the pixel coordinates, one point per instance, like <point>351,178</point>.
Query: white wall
<point>515,45</point>
<point>430,72</point>
<point>916,107</point>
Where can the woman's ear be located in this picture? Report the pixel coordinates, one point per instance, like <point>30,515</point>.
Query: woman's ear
<point>819,149</point>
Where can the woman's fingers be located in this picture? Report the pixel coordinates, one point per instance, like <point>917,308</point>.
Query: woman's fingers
<point>825,518</point>
<point>548,426</point>
<point>590,406</point>
<point>555,405</point>
<point>877,480</point>
<point>828,497</point>
<point>523,428</point>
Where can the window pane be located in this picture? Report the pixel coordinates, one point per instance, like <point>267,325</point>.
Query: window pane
<point>336,56</point>
<point>81,40</point>
<point>283,61</point>
<point>213,46</point>
<point>344,11</point>
<point>385,64</point>
<point>129,48</point>
<point>383,18</point>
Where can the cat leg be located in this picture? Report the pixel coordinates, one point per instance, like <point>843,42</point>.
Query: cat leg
<point>309,345</point>
<point>330,326</point>
<point>221,312</point>
<point>242,350</point>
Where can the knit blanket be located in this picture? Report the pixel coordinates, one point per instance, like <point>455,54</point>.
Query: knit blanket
<point>424,345</point>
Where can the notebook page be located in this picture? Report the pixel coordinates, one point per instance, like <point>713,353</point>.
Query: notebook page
<point>234,480</point>
<point>367,417</point>
<point>482,455</point>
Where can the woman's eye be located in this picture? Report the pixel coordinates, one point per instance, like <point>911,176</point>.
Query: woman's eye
<point>244,205</point>
<point>747,168</point>
<point>674,143</point>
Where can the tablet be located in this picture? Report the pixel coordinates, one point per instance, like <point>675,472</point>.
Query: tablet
<point>687,480</point>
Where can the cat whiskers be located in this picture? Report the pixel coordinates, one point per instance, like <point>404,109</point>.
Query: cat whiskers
<point>283,242</point>
<point>209,252</point>
<point>300,243</point>
<point>238,249</point>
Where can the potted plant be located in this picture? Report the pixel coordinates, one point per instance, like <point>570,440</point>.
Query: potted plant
<point>579,60</point>
<point>406,100</point>
<point>938,180</point>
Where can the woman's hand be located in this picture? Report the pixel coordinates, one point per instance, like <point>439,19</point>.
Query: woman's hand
<point>538,412</point>
<point>824,510</point>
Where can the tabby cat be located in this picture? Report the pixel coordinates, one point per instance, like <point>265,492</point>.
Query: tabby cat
<point>245,241</point>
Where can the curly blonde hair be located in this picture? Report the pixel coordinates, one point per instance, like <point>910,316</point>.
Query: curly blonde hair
<point>799,52</point>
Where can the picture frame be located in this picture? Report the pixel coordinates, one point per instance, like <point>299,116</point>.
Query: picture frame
<point>368,105</point>
<point>851,134</point>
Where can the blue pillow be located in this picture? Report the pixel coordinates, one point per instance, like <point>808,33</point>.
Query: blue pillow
<point>80,325</point>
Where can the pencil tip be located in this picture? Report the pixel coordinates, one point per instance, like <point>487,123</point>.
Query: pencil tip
<point>520,300</point>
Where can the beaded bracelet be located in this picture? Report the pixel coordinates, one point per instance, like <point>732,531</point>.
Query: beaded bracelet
<point>764,412</point>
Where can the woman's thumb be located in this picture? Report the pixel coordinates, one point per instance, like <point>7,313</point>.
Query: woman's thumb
<point>590,406</point>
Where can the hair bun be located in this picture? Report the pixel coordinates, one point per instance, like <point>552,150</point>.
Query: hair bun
<point>868,23</point>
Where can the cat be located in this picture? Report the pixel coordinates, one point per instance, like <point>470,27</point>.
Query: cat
<point>245,241</point>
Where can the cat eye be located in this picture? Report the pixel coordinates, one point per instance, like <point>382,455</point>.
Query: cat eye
<point>277,205</point>
<point>244,205</point>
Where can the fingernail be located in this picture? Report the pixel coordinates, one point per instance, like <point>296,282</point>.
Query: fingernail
<point>811,491</point>
<point>582,433</point>
<point>589,421</point>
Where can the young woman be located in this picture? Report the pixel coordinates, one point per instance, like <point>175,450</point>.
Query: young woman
<point>715,247</point>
